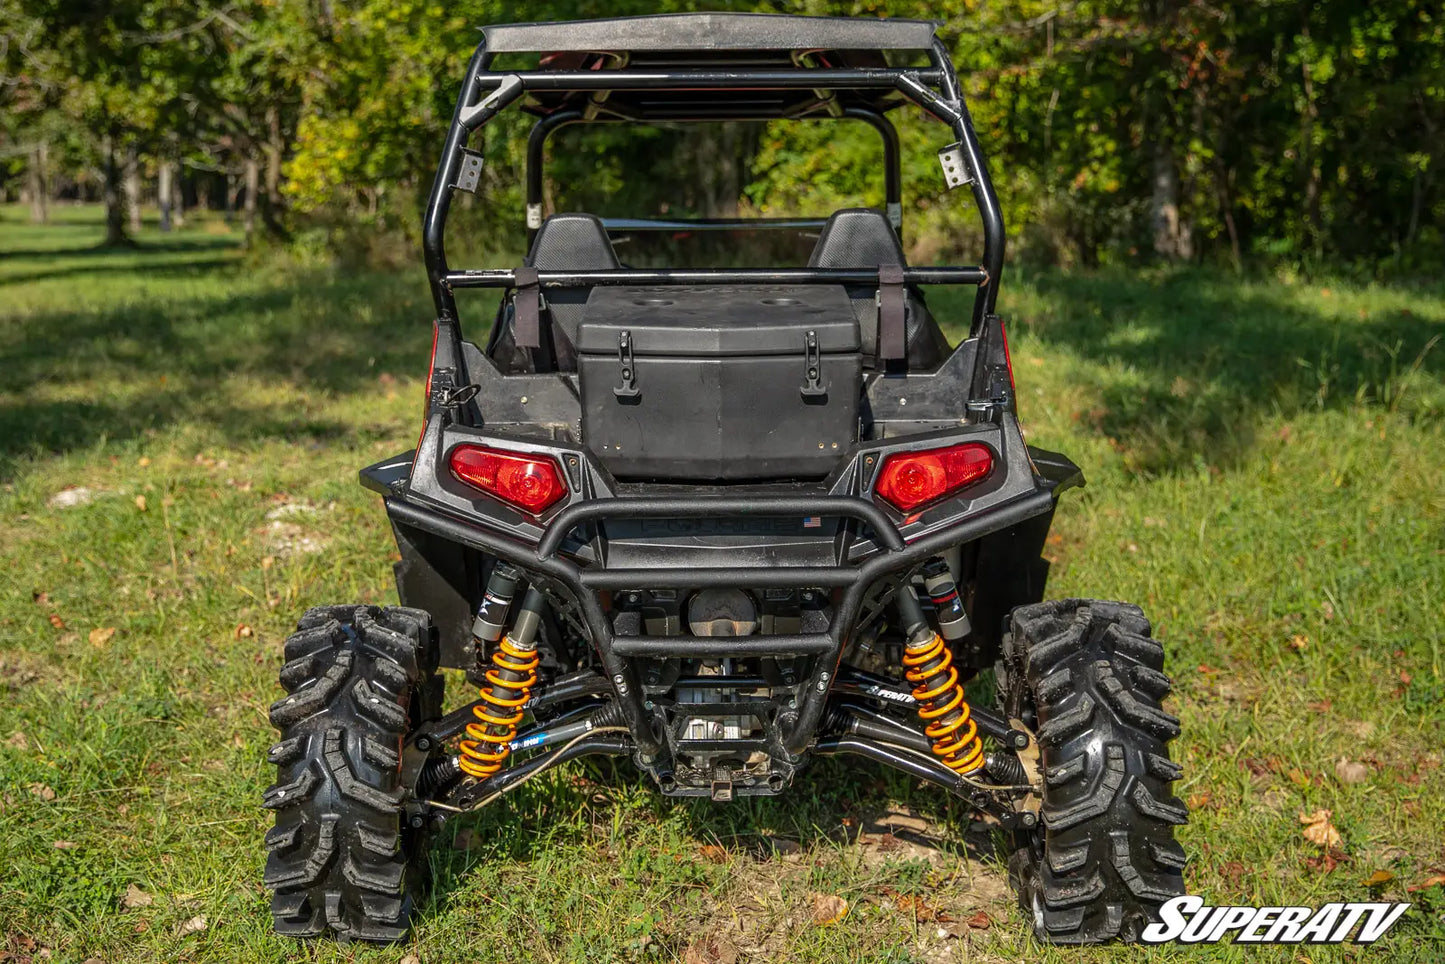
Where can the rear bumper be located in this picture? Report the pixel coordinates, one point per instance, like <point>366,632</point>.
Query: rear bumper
<point>597,543</point>
<point>584,585</point>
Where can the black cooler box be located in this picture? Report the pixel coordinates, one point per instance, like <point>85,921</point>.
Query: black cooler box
<point>726,382</point>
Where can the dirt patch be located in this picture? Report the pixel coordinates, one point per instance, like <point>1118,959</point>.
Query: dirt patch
<point>899,875</point>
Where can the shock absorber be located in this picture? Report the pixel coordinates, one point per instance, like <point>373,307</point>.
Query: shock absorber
<point>509,684</point>
<point>941,704</point>
<point>953,622</point>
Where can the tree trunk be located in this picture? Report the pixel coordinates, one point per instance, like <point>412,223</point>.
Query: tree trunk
<point>274,147</point>
<point>178,200</point>
<point>38,181</point>
<point>253,187</point>
<point>230,198</point>
<point>110,191</point>
<point>131,185</point>
<point>1172,240</point>
<point>165,189</point>
<point>1308,160</point>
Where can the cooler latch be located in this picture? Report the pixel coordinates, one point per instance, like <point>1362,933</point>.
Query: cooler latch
<point>628,388</point>
<point>813,386</point>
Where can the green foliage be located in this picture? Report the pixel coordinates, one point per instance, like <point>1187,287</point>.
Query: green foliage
<point>1225,131</point>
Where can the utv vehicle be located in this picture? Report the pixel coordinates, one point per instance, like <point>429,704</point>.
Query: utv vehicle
<point>719,522</point>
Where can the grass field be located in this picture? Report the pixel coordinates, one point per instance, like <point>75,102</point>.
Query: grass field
<point>179,436</point>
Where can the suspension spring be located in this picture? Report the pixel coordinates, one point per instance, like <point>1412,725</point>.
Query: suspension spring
<point>509,684</point>
<point>941,704</point>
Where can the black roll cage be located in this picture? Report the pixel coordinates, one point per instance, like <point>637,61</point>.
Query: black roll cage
<point>485,93</point>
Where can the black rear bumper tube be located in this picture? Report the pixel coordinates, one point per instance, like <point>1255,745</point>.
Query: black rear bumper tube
<point>616,652</point>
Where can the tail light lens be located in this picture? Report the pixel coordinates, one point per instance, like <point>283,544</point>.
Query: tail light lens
<point>532,483</point>
<point>912,480</point>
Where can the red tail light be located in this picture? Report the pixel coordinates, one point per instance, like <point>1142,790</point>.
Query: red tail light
<point>912,480</point>
<point>532,483</point>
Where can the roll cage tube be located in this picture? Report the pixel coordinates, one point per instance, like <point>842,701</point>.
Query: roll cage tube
<point>484,94</point>
<point>543,129</point>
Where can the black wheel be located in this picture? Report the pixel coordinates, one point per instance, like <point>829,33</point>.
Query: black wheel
<point>1087,677</point>
<point>341,856</point>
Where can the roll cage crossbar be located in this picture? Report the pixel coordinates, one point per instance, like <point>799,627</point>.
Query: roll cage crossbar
<point>485,93</point>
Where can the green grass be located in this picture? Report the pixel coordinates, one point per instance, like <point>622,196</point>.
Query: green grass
<point>1265,477</point>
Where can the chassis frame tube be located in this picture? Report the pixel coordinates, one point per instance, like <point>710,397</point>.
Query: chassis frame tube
<point>507,277</point>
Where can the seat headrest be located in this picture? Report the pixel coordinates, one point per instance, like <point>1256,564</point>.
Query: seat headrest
<point>572,242</point>
<point>856,238</point>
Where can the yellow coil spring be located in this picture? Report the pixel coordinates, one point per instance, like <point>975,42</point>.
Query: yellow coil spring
<point>491,737</point>
<point>939,695</point>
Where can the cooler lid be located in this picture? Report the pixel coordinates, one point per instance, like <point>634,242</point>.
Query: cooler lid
<point>719,320</point>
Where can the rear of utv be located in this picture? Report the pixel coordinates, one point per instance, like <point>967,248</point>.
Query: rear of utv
<point>721,521</point>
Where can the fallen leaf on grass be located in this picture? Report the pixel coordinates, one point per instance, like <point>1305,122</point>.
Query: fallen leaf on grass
<point>193,926</point>
<point>710,950</point>
<point>411,959</point>
<point>18,741</point>
<point>140,502</point>
<point>101,635</point>
<point>1299,642</point>
<point>980,921</point>
<point>1298,778</point>
<point>1318,829</point>
<point>40,598</point>
<point>1328,861</point>
<point>42,791</point>
<point>143,461</point>
<point>1436,880</point>
<point>135,898</point>
<point>828,909</point>
<point>1199,801</point>
<point>713,854</point>
<point>1379,878</point>
<point>56,621</point>
<point>63,844</point>
<point>1350,771</point>
<point>243,631</point>
<point>917,907</point>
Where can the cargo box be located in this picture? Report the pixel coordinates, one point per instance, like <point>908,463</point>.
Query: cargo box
<point>730,382</point>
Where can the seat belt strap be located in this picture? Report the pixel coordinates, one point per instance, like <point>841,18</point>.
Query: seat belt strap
<point>892,309</point>
<point>527,327</point>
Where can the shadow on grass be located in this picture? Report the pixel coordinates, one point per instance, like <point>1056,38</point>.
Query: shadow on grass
<point>832,804</point>
<point>1186,365</point>
<point>73,377</point>
<point>83,270</point>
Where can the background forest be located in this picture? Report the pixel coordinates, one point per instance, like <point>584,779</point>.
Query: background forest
<point>1181,130</point>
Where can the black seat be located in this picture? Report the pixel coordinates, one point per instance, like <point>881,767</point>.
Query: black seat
<point>863,238</point>
<point>564,242</point>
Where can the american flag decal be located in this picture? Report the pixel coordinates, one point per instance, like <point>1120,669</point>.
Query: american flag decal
<point>812,521</point>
